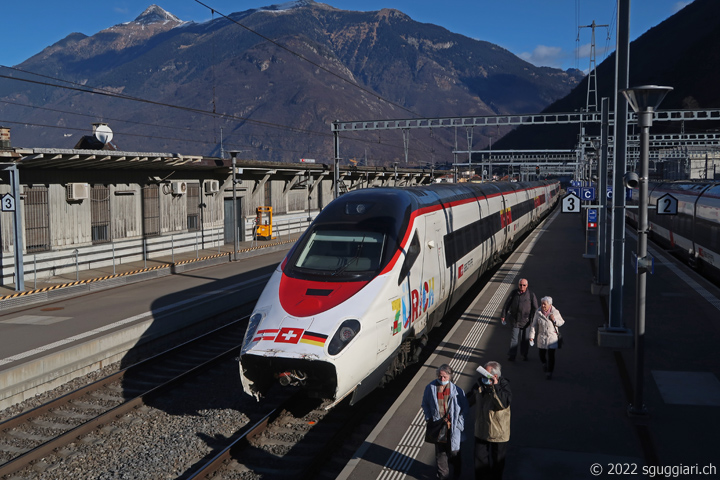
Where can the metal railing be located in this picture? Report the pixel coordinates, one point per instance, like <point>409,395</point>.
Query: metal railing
<point>68,264</point>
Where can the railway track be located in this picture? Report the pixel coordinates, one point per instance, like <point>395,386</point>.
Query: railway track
<point>52,427</point>
<point>298,437</point>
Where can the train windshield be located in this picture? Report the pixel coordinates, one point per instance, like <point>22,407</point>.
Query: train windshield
<point>339,252</point>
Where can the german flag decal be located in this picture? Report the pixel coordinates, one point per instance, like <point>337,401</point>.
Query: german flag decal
<point>314,338</point>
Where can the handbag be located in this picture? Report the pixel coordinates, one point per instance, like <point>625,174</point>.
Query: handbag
<point>559,335</point>
<point>437,431</point>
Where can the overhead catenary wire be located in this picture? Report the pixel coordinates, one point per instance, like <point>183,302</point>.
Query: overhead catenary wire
<point>611,30</point>
<point>73,86</point>
<point>131,122</point>
<point>214,114</point>
<point>184,129</point>
<point>102,92</point>
<point>154,137</point>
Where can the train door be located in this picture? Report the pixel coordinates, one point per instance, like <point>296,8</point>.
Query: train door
<point>486,247</point>
<point>433,289</point>
<point>504,223</point>
<point>411,279</point>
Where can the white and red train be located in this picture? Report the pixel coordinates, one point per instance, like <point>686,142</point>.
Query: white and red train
<point>694,233</point>
<point>352,303</point>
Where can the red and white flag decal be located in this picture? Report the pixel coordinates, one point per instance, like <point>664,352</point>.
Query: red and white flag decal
<point>289,335</point>
<point>267,334</point>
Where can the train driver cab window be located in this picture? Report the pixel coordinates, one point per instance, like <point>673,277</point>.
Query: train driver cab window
<point>333,252</point>
<point>412,254</point>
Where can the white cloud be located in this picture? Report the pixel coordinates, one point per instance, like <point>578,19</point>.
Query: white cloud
<point>544,56</point>
<point>601,53</point>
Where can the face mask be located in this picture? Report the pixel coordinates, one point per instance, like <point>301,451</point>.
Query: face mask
<point>444,382</point>
<point>486,380</point>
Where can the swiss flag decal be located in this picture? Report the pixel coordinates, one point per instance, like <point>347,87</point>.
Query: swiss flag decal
<point>289,335</point>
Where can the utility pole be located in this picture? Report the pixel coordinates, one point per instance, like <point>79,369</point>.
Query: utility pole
<point>336,166</point>
<point>222,149</point>
<point>406,142</point>
<point>616,325</point>
<point>236,245</point>
<point>592,74</point>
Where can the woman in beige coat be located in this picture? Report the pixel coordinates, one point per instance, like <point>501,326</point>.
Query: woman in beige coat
<point>545,322</point>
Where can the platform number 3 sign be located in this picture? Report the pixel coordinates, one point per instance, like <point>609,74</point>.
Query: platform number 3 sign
<point>8,203</point>
<point>571,203</point>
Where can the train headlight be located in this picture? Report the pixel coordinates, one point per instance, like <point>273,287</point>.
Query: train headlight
<point>253,325</point>
<point>357,208</point>
<point>344,335</point>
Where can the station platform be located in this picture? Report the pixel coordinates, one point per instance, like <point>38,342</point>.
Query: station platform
<point>568,427</point>
<point>68,327</point>
<point>576,425</point>
<point>95,279</point>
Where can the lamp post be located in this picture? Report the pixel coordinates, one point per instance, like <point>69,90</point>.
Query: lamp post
<point>236,247</point>
<point>307,186</point>
<point>643,100</point>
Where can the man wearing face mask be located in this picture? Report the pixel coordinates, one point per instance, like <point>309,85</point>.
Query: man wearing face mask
<point>491,397</point>
<point>443,399</point>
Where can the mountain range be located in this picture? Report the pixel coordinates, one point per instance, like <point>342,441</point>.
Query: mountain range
<point>269,82</point>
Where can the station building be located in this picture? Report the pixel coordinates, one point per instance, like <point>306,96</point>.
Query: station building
<point>95,205</point>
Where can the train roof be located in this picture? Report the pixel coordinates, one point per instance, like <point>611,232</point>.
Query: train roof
<point>399,202</point>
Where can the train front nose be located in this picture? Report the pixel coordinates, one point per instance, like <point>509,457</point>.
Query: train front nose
<point>259,374</point>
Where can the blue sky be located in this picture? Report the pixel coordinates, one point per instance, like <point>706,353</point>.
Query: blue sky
<point>544,32</point>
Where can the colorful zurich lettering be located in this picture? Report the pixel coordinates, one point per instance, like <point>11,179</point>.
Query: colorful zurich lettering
<point>420,301</point>
<point>505,217</point>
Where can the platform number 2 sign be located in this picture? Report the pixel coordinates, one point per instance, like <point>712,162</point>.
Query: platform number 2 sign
<point>8,203</point>
<point>667,205</point>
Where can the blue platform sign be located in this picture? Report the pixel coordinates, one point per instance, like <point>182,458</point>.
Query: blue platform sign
<point>609,193</point>
<point>592,215</point>
<point>574,190</point>
<point>587,193</point>
<point>575,183</point>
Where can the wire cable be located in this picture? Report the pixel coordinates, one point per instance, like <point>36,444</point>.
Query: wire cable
<point>102,92</point>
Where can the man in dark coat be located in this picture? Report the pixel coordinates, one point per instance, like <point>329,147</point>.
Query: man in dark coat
<point>519,310</point>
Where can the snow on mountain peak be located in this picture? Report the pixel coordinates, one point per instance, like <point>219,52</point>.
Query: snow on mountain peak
<point>289,5</point>
<point>155,14</point>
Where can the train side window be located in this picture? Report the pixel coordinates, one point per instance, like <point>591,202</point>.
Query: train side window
<point>410,257</point>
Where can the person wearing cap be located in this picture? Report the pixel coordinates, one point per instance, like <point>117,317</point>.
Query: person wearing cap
<point>519,310</point>
<point>443,399</point>
<point>491,397</point>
